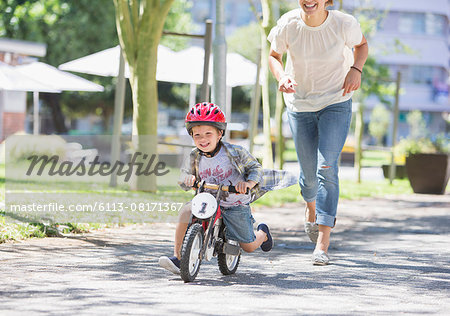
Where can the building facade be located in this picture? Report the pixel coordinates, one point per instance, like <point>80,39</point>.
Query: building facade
<point>413,38</point>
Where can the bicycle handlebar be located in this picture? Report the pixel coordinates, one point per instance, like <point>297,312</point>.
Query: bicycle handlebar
<point>227,188</point>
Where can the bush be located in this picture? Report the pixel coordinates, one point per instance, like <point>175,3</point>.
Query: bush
<point>21,146</point>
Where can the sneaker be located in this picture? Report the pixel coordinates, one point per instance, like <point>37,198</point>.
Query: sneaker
<point>320,258</point>
<point>268,244</point>
<point>311,229</point>
<point>172,264</point>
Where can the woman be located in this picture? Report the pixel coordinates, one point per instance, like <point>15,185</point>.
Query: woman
<point>320,76</point>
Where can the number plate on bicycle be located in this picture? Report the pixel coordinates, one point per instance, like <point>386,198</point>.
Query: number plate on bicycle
<point>204,205</point>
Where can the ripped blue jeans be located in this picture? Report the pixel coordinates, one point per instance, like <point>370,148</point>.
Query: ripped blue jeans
<point>319,138</point>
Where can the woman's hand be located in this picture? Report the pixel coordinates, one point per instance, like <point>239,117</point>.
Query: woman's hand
<point>352,81</point>
<point>287,84</point>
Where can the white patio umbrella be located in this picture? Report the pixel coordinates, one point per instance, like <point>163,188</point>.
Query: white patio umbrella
<point>106,63</point>
<point>57,79</point>
<point>240,71</point>
<point>185,66</point>
<point>13,80</point>
<point>40,77</point>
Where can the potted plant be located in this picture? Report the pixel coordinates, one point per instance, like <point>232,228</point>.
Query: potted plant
<point>427,163</point>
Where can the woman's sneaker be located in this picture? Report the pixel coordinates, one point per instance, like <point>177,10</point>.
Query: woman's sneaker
<point>320,258</point>
<point>172,264</point>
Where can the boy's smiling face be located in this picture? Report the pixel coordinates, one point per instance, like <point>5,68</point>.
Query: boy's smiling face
<point>206,137</point>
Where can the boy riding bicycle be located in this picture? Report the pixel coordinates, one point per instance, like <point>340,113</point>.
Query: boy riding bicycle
<point>218,162</point>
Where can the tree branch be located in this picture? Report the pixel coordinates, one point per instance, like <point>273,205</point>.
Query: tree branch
<point>166,6</point>
<point>134,4</point>
<point>125,32</point>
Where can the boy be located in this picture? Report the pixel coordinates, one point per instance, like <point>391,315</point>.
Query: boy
<point>219,162</point>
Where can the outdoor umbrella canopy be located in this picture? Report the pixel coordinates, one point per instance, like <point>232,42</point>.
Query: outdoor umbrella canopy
<point>240,71</point>
<point>185,66</point>
<point>40,77</point>
<point>13,80</point>
<point>57,79</point>
<point>106,63</point>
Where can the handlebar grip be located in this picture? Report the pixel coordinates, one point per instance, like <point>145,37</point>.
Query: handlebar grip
<point>232,189</point>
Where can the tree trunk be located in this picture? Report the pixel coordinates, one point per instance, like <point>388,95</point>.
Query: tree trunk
<point>53,102</point>
<point>140,26</point>
<point>268,154</point>
<point>145,114</point>
<point>279,131</point>
<point>359,132</point>
<point>266,25</point>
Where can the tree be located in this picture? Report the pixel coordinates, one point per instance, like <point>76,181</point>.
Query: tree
<point>140,27</point>
<point>70,29</point>
<point>266,23</point>
<point>379,122</point>
<point>376,80</point>
<point>417,124</point>
<point>270,12</point>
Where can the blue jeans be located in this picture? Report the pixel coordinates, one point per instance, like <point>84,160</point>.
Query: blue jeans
<point>239,222</point>
<point>319,138</point>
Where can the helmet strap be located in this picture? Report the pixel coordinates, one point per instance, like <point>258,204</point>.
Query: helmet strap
<point>214,152</point>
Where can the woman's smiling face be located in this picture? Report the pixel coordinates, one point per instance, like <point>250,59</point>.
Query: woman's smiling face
<point>311,7</point>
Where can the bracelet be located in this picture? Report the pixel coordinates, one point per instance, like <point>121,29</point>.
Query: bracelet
<point>360,71</point>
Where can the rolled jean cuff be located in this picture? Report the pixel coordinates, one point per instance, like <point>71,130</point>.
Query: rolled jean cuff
<point>312,199</point>
<point>326,220</point>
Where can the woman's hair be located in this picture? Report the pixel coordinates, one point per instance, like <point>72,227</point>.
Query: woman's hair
<point>328,3</point>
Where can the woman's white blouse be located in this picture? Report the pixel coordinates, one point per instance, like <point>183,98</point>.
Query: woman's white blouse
<point>319,58</point>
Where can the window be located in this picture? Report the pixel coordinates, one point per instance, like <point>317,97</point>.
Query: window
<point>420,74</point>
<point>435,24</point>
<point>411,23</point>
<point>422,23</point>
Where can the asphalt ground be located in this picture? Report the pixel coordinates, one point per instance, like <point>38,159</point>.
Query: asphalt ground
<point>389,256</point>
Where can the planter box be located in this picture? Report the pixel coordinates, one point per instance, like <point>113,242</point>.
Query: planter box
<point>428,173</point>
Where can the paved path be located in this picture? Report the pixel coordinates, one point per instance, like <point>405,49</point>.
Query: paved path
<point>389,256</point>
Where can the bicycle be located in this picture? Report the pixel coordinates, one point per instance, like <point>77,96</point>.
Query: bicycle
<point>205,237</point>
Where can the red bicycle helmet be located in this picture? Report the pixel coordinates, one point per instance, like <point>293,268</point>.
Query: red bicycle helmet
<point>205,113</point>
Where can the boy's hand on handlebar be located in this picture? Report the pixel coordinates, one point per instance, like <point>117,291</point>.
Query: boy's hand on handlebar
<point>189,180</point>
<point>242,187</point>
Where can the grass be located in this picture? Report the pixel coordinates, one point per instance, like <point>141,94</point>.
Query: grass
<point>84,192</point>
<point>136,207</point>
<point>349,190</point>
<point>371,158</point>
